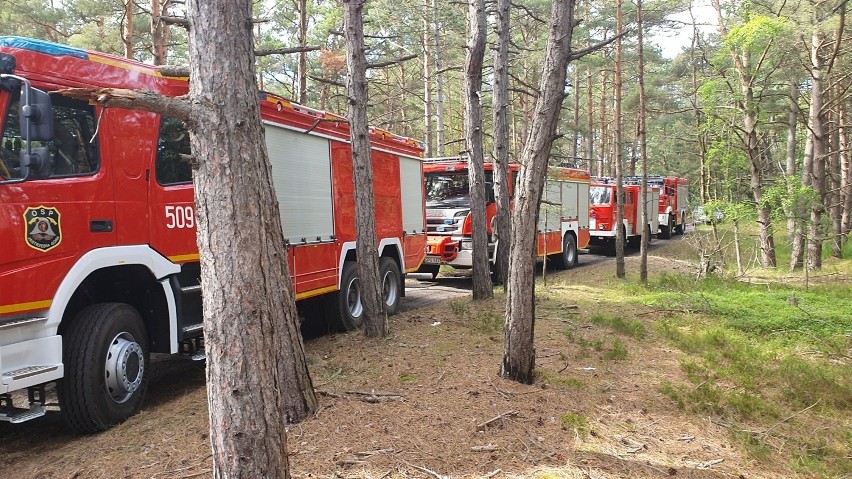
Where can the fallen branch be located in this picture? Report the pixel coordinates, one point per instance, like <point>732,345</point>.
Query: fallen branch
<point>484,425</point>
<point>766,432</point>
<point>184,469</point>
<point>373,453</point>
<point>485,448</point>
<point>636,445</point>
<point>710,463</point>
<point>501,393</point>
<point>194,474</point>
<point>493,473</point>
<point>374,397</point>
<point>374,394</point>
<point>428,471</point>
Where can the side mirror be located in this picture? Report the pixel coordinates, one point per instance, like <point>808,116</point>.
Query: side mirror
<point>36,115</point>
<point>36,163</point>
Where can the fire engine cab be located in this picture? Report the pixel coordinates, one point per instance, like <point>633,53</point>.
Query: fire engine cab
<point>602,224</point>
<point>99,265</point>
<point>563,218</point>
<point>674,202</point>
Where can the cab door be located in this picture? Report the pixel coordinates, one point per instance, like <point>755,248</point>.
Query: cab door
<point>171,205</point>
<point>61,212</point>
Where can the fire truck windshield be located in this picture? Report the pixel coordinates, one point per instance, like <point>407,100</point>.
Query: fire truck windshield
<point>600,195</point>
<point>447,190</point>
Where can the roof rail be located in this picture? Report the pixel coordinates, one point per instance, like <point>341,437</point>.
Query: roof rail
<point>446,159</point>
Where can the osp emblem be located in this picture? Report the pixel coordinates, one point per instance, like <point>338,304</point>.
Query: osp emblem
<point>41,228</point>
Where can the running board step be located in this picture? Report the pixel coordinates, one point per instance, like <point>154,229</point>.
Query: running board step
<point>27,372</point>
<point>15,415</point>
<point>19,415</point>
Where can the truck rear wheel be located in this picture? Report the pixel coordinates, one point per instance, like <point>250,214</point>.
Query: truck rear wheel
<point>568,257</point>
<point>351,310</point>
<point>391,284</point>
<point>681,228</point>
<point>106,352</point>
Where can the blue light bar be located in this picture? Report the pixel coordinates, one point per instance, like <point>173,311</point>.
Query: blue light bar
<point>43,47</point>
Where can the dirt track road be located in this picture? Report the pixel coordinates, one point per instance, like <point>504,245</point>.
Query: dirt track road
<point>421,291</point>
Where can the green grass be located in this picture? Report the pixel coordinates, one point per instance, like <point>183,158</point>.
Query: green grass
<point>576,422</point>
<point>617,352</point>
<point>620,324</point>
<point>769,358</point>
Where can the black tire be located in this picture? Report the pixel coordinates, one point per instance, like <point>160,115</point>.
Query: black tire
<point>568,257</point>
<point>391,284</point>
<point>350,309</point>
<point>106,357</point>
<point>681,228</point>
<point>667,230</point>
<point>496,275</point>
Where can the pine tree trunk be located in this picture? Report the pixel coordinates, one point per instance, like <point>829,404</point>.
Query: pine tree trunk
<point>845,174</point>
<point>500,104</point>
<point>439,80</point>
<point>793,228</point>
<point>643,147</point>
<point>815,175</point>
<point>427,84</point>
<point>575,91</point>
<point>482,288</point>
<point>618,157</point>
<point>158,42</point>
<point>257,378</point>
<point>127,34</point>
<point>519,352</point>
<point>369,283</point>
<point>750,139</point>
<point>302,38</point>
<point>594,166</point>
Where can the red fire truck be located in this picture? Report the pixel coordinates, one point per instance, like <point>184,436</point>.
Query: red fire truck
<point>563,218</point>
<point>99,265</point>
<point>602,225</point>
<point>674,202</point>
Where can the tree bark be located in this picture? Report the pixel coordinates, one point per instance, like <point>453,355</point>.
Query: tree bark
<point>375,318</point>
<point>439,79</point>
<point>302,37</point>
<point>845,173</point>
<point>427,83</point>
<point>500,103</point>
<point>794,230</point>
<point>257,378</point>
<point>158,41</point>
<point>643,147</point>
<point>618,157</point>
<point>519,351</point>
<point>747,107</point>
<point>813,174</point>
<point>594,166</point>
<point>482,288</point>
<point>127,34</point>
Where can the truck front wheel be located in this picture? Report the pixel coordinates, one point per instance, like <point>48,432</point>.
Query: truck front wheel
<point>568,257</point>
<point>106,353</point>
<point>667,230</point>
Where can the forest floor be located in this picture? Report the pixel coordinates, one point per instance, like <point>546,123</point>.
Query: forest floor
<point>612,399</point>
